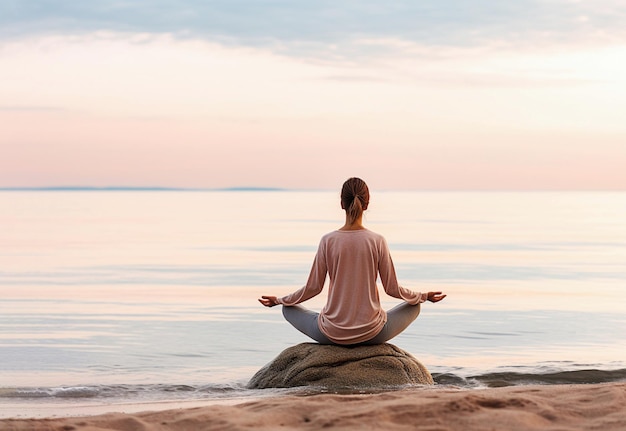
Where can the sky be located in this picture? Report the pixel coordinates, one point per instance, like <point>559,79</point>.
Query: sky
<point>428,95</point>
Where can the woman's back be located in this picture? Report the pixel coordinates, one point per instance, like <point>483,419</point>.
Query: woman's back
<point>353,306</point>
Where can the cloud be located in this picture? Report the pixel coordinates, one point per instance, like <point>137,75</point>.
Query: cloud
<point>322,26</point>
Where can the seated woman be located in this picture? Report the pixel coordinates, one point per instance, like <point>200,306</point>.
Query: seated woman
<point>353,257</point>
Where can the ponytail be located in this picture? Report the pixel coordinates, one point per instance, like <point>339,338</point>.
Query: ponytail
<point>355,210</point>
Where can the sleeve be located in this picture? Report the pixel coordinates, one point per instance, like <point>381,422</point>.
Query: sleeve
<point>315,282</point>
<point>390,282</point>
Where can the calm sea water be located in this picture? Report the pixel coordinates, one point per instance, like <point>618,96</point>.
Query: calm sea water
<point>147,296</point>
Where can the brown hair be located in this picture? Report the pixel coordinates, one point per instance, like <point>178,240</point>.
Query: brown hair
<point>355,197</point>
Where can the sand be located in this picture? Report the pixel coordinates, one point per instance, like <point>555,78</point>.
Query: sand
<point>556,407</point>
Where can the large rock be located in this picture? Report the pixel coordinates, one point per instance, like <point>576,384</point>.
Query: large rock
<point>311,364</point>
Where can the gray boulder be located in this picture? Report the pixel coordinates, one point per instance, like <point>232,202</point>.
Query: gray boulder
<point>312,364</point>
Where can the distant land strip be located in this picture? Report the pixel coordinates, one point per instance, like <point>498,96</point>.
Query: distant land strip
<point>138,189</point>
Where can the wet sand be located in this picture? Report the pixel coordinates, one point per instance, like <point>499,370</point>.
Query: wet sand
<point>549,407</point>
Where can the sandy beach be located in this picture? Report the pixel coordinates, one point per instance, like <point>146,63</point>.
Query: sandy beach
<point>555,407</point>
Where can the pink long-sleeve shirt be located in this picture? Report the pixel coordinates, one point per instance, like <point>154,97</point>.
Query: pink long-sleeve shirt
<point>353,259</point>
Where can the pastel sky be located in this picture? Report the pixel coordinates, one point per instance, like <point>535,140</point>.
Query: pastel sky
<point>432,94</point>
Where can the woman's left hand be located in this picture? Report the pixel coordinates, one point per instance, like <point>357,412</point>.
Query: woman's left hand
<point>435,296</point>
<point>269,301</point>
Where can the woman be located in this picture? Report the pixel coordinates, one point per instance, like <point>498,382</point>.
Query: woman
<point>353,257</point>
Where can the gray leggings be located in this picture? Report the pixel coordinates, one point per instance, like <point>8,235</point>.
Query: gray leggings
<point>398,319</point>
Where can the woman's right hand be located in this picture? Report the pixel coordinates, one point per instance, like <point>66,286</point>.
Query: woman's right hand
<point>269,301</point>
<point>435,296</point>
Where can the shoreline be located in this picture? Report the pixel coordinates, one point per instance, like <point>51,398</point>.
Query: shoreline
<point>61,410</point>
<point>545,407</point>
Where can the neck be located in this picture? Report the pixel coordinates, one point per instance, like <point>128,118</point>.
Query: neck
<point>356,225</point>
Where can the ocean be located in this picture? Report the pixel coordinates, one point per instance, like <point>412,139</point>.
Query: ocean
<point>113,297</point>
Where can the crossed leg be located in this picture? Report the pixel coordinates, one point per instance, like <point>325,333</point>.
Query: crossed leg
<point>398,319</point>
